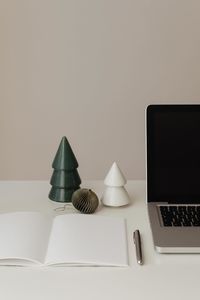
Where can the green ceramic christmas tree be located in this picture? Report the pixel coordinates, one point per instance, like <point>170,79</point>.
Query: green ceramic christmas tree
<point>65,178</point>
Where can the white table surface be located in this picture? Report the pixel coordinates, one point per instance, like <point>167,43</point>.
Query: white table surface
<point>161,276</point>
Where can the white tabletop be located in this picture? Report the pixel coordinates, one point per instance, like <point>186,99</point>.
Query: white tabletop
<point>161,276</point>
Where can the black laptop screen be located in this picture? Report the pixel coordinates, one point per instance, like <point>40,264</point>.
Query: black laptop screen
<point>173,153</point>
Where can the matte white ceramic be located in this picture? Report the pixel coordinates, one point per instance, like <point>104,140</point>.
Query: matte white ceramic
<point>115,196</point>
<point>115,177</point>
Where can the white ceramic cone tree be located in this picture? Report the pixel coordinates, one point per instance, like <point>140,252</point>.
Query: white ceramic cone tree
<point>115,194</point>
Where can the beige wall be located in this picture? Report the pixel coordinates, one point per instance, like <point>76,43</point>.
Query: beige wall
<point>87,69</point>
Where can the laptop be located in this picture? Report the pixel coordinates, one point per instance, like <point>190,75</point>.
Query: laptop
<point>173,177</point>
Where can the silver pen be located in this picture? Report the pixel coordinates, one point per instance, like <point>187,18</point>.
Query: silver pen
<point>138,248</point>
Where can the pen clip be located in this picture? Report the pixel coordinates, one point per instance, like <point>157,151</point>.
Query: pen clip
<point>134,234</point>
<point>137,242</point>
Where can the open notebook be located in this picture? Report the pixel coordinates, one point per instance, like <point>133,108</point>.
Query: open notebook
<point>31,238</point>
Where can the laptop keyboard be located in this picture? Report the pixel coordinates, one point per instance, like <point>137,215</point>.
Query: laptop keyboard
<point>180,215</point>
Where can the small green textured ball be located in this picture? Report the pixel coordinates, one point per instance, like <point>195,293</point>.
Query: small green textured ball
<point>85,200</point>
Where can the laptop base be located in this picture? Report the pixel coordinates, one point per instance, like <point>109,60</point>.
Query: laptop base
<point>172,239</point>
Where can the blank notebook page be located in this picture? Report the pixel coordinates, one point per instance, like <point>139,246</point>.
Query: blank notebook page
<point>24,235</point>
<point>88,239</point>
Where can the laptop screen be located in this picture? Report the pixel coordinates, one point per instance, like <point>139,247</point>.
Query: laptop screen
<point>173,153</point>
